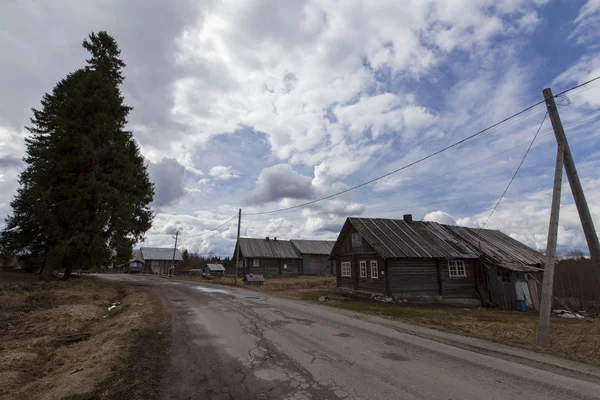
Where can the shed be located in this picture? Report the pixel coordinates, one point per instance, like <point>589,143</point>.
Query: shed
<point>427,261</point>
<point>315,256</point>
<point>214,269</point>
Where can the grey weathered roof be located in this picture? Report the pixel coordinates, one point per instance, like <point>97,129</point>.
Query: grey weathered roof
<point>215,267</point>
<point>136,255</point>
<point>160,253</point>
<point>262,248</point>
<point>313,246</point>
<point>393,238</point>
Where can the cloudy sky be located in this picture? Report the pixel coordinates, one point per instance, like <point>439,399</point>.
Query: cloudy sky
<point>267,104</point>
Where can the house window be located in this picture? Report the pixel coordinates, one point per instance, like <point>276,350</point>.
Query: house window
<point>457,269</point>
<point>374,270</point>
<point>346,270</point>
<point>504,276</point>
<point>356,239</point>
<point>245,262</point>
<point>255,262</point>
<point>363,269</point>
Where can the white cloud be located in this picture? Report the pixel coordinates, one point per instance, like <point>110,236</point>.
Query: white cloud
<point>278,182</point>
<point>223,173</point>
<point>167,176</point>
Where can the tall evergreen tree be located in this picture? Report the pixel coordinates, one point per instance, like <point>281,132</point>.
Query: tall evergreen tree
<point>85,192</point>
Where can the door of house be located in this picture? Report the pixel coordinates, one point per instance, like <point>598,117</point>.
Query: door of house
<point>523,292</point>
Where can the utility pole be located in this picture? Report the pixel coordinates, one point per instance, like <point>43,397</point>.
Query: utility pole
<point>578,196</point>
<point>237,247</point>
<point>174,249</point>
<point>548,282</point>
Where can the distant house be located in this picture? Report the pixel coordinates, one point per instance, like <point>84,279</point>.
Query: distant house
<point>315,256</point>
<point>214,269</point>
<point>270,256</point>
<point>135,265</point>
<point>427,261</point>
<point>158,260</point>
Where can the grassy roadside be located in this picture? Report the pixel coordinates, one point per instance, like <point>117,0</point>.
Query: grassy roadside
<point>121,358</point>
<point>574,339</point>
<point>569,338</point>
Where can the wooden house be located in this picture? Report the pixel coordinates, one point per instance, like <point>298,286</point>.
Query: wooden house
<point>268,256</point>
<point>158,260</point>
<point>426,261</point>
<point>135,265</point>
<point>315,256</point>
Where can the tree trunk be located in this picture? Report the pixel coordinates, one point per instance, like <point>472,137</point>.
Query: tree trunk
<point>46,274</point>
<point>68,270</point>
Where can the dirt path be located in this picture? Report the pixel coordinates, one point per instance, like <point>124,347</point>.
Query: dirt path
<point>230,343</point>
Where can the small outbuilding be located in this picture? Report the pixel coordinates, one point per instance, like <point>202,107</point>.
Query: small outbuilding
<point>214,269</point>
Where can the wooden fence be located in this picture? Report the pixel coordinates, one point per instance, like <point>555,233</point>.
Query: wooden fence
<point>575,285</point>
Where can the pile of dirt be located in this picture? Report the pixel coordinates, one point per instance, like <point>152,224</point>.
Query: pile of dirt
<point>37,363</point>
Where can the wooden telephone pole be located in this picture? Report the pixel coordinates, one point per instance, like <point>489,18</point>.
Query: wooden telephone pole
<point>174,249</point>
<point>564,153</point>
<point>237,246</point>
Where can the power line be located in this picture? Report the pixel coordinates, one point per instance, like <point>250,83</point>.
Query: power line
<point>423,158</point>
<point>576,87</point>
<point>420,160</point>
<point>212,230</point>
<point>517,171</point>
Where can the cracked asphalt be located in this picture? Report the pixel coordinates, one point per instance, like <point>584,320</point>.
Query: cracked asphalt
<point>230,343</point>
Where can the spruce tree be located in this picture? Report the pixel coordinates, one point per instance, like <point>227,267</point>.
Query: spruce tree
<point>85,192</point>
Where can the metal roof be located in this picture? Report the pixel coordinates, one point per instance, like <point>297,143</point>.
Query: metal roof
<point>263,248</point>
<point>393,238</point>
<point>313,246</point>
<point>136,255</point>
<point>215,267</point>
<point>160,253</point>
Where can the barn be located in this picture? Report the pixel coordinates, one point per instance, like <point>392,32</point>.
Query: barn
<point>315,256</point>
<point>426,261</point>
<point>158,260</point>
<point>270,256</point>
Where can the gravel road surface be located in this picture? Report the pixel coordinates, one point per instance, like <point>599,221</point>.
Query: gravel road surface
<point>230,343</point>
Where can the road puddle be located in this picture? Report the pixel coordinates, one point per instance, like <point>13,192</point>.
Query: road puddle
<point>270,375</point>
<point>210,290</point>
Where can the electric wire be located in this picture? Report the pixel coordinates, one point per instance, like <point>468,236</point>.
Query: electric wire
<point>516,172</point>
<point>420,160</point>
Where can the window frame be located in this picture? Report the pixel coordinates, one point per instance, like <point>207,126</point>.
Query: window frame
<point>459,268</point>
<point>255,262</point>
<point>504,276</point>
<point>374,267</point>
<point>346,266</point>
<point>363,264</point>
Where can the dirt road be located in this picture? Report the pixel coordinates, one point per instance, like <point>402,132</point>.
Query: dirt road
<point>230,343</point>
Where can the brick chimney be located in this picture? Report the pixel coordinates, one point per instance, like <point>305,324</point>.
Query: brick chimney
<point>407,217</point>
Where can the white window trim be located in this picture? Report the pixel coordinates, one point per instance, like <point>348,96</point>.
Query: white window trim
<point>459,267</point>
<point>346,269</point>
<point>255,262</point>
<point>374,270</point>
<point>363,269</point>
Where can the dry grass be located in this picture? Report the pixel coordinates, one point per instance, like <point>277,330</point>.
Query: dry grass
<point>33,365</point>
<point>278,284</point>
<point>569,338</point>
